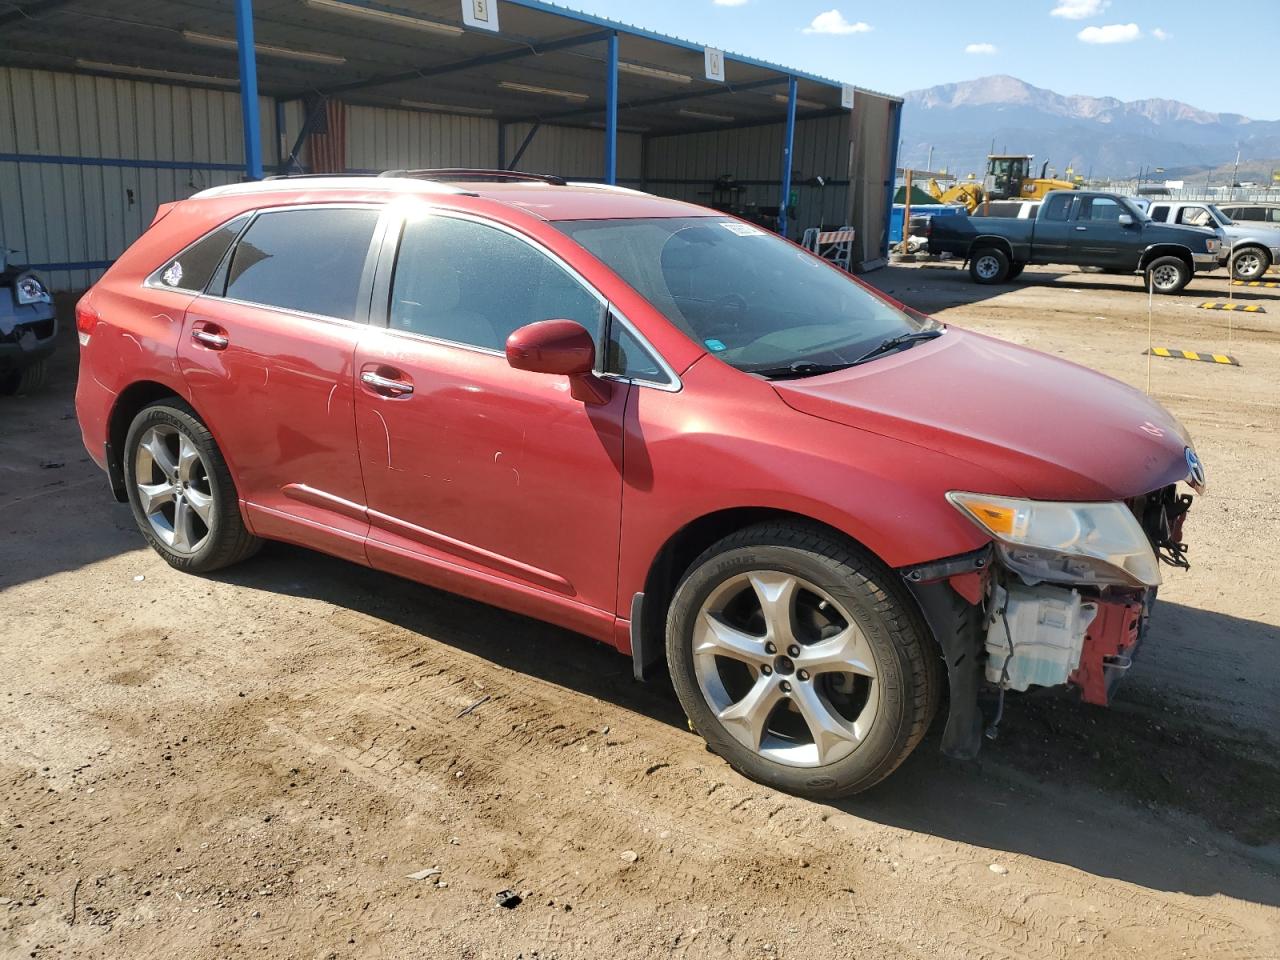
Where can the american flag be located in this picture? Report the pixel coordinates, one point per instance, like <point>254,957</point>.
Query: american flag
<point>327,144</point>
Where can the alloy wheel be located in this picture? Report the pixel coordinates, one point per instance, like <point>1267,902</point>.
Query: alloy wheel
<point>785,669</point>
<point>1248,265</point>
<point>174,491</point>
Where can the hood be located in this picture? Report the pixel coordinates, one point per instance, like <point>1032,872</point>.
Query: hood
<point>1053,429</point>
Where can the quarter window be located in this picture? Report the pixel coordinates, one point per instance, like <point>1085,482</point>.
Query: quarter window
<point>193,268</point>
<point>308,260</point>
<point>469,283</point>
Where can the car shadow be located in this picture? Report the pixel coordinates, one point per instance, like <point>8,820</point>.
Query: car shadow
<point>1036,791</point>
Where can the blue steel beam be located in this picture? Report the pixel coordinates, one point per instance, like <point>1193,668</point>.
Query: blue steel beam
<point>489,59</point>
<point>788,147</point>
<point>611,114</point>
<point>892,174</point>
<point>249,90</point>
<point>533,132</point>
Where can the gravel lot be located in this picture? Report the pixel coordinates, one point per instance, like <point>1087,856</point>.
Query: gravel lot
<point>257,763</point>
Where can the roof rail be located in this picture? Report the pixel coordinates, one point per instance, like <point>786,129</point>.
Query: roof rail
<point>464,173</point>
<point>312,176</point>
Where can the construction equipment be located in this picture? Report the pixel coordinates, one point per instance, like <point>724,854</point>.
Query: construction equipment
<point>1007,178</point>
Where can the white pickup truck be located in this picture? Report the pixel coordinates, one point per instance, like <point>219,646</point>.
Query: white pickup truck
<point>1249,248</point>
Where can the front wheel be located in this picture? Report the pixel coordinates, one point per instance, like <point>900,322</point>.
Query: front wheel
<point>801,661</point>
<point>1249,264</point>
<point>181,491</point>
<point>1168,274</point>
<point>27,380</point>
<point>989,265</point>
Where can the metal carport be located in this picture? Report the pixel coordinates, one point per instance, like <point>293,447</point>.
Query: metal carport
<point>146,89</point>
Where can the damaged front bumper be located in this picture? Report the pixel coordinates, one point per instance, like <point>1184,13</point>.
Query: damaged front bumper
<point>999,630</point>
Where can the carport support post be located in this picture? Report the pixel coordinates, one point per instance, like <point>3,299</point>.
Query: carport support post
<point>787,145</point>
<point>249,90</point>
<point>611,114</point>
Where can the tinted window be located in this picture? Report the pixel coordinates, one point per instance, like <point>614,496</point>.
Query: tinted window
<point>307,260</point>
<point>1160,214</point>
<point>193,268</point>
<point>1003,208</point>
<point>466,282</point>
<point>1057,207</point>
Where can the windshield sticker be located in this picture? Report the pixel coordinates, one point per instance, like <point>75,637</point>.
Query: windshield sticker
<point>742,229</point>
<point>716,345</point>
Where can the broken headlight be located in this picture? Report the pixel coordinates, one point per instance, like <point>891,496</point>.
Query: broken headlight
<point>30,290</point>
<point>1086,543</point>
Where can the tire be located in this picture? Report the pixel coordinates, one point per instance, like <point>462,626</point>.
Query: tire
<point>1250,263</point>
<point>1015,270</point>
<point>27,380</point>
<point>1167,274</point>
<point>192,512</point>
<point>848,611</point>
<point>989,265</point>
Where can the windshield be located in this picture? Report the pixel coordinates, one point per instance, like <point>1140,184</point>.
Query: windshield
<point>1223,219</point>
<point>748,296</point>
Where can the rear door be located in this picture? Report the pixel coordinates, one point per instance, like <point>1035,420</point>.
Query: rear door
<point>1051,240</point>
<point>268,354</point>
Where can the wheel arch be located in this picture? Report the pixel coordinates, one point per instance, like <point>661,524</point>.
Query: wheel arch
<point>1167,250</point>
<point>991,240</point>
<point>676,555</point>
<point>128,402</point>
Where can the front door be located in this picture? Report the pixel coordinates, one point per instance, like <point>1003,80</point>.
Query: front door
<point>480,478</point>
<point>268,353</point>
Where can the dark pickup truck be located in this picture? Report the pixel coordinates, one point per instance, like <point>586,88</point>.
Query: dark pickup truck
<point>1083,228</point>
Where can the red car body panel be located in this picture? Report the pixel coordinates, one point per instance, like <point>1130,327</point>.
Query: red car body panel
<point>497,484</point>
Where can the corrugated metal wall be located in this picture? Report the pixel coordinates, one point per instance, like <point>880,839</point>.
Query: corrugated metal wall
<point>572,152</point>
<point>85,161</point>
<point>380,139</point>
<point>686,167</point>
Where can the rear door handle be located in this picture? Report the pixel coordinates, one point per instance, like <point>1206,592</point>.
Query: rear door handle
<point>386,385</point>
<point>214,341</point>
<point>1082,229</point>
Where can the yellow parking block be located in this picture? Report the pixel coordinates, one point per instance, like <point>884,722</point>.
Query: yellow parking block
<point>1234,307</point>
<point>1268,284</point>
<point>1170,353</point>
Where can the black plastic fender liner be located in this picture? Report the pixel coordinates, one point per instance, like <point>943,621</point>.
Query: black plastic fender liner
<point>956,624</point>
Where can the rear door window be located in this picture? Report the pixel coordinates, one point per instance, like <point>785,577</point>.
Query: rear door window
<point>1057,207</point>
<point>309,260</point>
<point>193,268</point>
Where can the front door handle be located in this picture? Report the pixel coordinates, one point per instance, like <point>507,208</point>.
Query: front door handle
<point>214,341</point>
<point>386,385</point>
<point>1082,229</point>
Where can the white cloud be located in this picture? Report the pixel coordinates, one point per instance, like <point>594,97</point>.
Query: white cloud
<point>983,48</point>
<point>1111,33</point>
<point>1160,34</point>
<point>1079,9</point>
<point>833,21</point>
<point>730,3</point>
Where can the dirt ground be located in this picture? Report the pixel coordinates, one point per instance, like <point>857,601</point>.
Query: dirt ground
<point>253,765</point>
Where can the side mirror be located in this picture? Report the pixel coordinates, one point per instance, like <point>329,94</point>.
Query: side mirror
<point>562,348</point>
<point>1125,220</point>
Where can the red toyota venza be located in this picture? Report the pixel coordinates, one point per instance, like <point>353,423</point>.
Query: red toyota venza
<point>646,421</point>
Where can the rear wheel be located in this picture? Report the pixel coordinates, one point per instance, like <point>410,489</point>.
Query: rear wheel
<point>1250,263</point>
<point>181,491</point>
<point>1168,274</point>
<point>989,265</point>
<point>28,379</point>
<point>801,661</point>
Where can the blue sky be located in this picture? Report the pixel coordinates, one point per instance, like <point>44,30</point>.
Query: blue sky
<point>1191,50</point>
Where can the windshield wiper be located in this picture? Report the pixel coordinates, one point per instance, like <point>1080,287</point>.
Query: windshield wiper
<point>801,368</point>
<point>893,343</point>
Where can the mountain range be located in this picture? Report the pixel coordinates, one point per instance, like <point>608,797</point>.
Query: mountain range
<point>1110,137</point>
